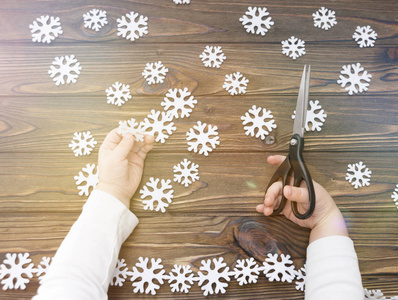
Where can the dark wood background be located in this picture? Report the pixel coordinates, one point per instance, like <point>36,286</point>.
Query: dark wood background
<point>215,216</point>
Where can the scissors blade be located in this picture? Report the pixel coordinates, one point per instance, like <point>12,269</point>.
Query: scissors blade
<point>302,103</point>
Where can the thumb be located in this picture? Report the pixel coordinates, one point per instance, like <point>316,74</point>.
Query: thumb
<point>125,146</point>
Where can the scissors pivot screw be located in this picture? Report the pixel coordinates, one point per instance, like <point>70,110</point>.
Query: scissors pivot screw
<point>293,142</point>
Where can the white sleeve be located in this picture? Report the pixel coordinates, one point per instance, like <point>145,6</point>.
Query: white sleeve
<point>332,270</point>
<point>83,266</point>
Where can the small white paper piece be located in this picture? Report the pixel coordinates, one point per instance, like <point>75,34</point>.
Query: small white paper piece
<point>394,196</point>
<point>133,127</point>
<point>324,18</point>
<point>356,80</point>
<point>202,140</point>
<point>45,29</point>
<point>132,26</point>
<point>315,116</point>
<point>258,122</point>
<point>256,20</point>
<point>182,1</point>
<point>213,279</point>
<point>158,124</point>
<point>300,278</point>
<point>91,179</point>
<point>293,47</point>
<point>180,279</point>
<point>95,19</point>
<point>155,72</point>
<point>179,103</point>
<point>120,273</point>
<point>365,36</point>
<point>149,275</point>
<point>212,57</point>
<point>162,195</point>
<point>16,271</point>
<point>358,175</point>
<point>235,83</point>
<point>82,143</point>
<point>246,271</point>
<point>186,172</point>
<point>279,268</point>
<point>42,268</point>
<point>65,66</point>
<point>118,94</point>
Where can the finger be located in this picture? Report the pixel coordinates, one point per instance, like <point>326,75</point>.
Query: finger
<point>123,149</point>
<point>272,193</point>
<point>297,194</point>
<point>275,160</point>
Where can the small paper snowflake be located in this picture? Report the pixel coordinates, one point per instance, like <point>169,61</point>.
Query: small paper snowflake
<point>91,179</point>
<point>180,279</point>
<point>256,20</point>
<point>394,195</point>
<point>246,271</point>
<point>132,127</point>
<point>16,272</point>
<point>45,29</point>
<point>42,268</point>
<point>354,79</point>
<point>281,269</point>
<point>179,102</point>
<point>188,172</point>
<point>95,19</point>
<point>293,47</point>
<point>213,276</point>
<point>182,1</point>
<point>84,143</point>
<point>132,26</point>
<point>155,72</point>
<point>324,18</point>
<point>235,83</point>
<point>257,116</point>
<point>358,175</point>
<point>65,66</point>
<point>374,295</point>
<point>161,124</point>
<point>118,93</point>
<point>300,278</point>
<point>314,119</point>
<point>365,36</point>
<point>120,273</point>
<point>147,275</point>
<point>157,194</point>
<point>202,138</point>
<point>212,56</point>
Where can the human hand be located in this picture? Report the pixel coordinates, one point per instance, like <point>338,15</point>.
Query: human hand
<point>120,164</point>
<point>325,221</point>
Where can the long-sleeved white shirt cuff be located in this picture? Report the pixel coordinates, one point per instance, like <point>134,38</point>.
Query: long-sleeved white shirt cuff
<point>83,266</point>
<point>332,270</point>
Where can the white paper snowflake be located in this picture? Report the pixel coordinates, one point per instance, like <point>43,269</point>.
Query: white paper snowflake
<point>188,172</point>
<point>118,93</point>
<point>198,138</point>
<point>394,195</point>
<point>300,278</point>
<point>45,29</point>
<point>151,276</point>
<point>182,1</point>
<point>324,18</point>
<point>95,19</point>
<point>82,143</point>
<point>132,26</point>
<point>358,175</point>
<point>163,195</point>
<point>65,67</point>
<point>42,268</point>
<point>120,273</point>
<point>212,275</point>
<point>132,127</point>
<point>16,271</point>
<point>261,121</point>
<point>235,83</point>
<point>354,78</point>
<point>374,295</point>
<point>279,268</point>
<point>180,279</point>
<point>365,36</point>
<point>179,102</point>
<point>246,271</point>
<point>293,47</point>
<point>256,20</point>
<point>315,118</point>
<point>155,72</point>
<point>91,179</point>
<point>212,56</point>
<point>158,124</point>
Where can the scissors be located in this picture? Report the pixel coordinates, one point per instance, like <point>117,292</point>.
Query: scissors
<point>294,162</point>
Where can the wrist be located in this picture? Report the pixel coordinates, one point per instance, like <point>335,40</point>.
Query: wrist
<point>332,224</point>
<point>102,186</point>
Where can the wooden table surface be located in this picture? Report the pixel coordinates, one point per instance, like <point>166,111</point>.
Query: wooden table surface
<point>216,215</point>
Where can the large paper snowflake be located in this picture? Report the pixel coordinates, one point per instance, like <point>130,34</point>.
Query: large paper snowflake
<point>210,279</point>
<point>300,278</point>
<point>163,195</point>
<point>132,127</point>
<point>91,179</point>
<point>158,124</point>
<point>180,279</point>
<point>16,271</point>
<point>198,138</point>
<point>45,29</point>
<point>212,56</point>
<point>155,72</point>
<point>120,273</point>
<point>374,295</point>
<point>246,271</point>
<point>394,195</point>
<point>260,122</point>
<point>188,172</point>
<point>293,47</point>
<point>279,268</point>
<point>132,26</point>
<point>324,18</point>
<point>315,116</point>
<point>365,36</point>
<point>82,143</point>
<point>95,19</point>
<point>256,20</point>
<point>235,83</point>
<point>358,175</point>
<point>179,102</point>
<point>42,268</point>
<point>182,1</point>
<point>118,93</point>
<point>354,79</point>
<point>65,67</point>
<point>151,276</point>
